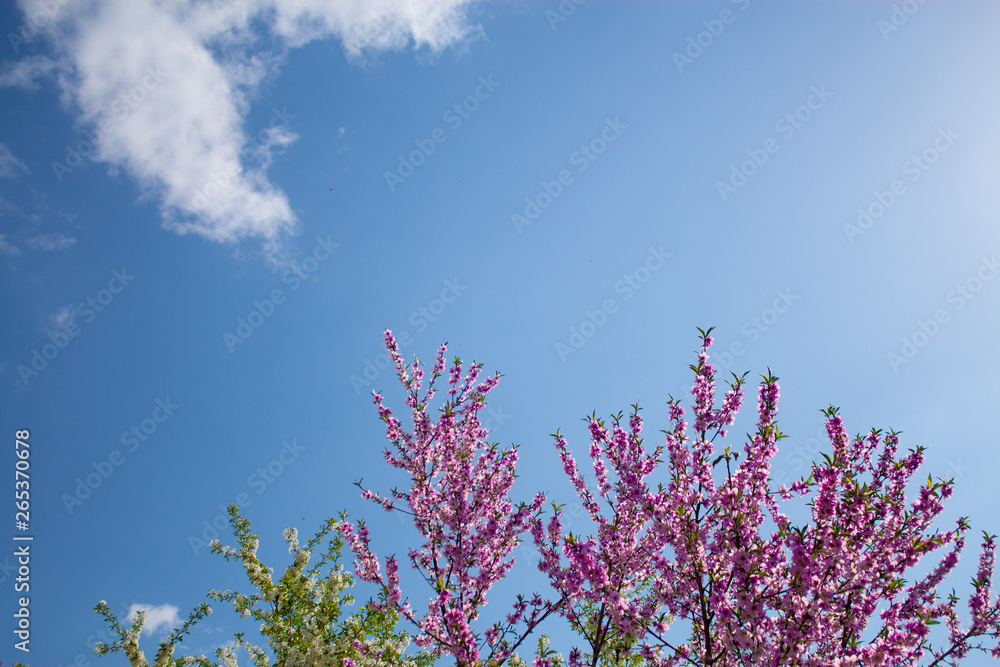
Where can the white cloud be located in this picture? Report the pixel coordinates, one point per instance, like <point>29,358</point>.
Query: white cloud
<point>50,242</point>
<point>26,73</point>
<point>162,616</point>
<point>62,319</point>
<point>9,165</point>
<point>162,89</point>
<point>7,248</point>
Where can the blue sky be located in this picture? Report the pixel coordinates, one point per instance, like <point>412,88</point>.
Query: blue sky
<point>210,211</point>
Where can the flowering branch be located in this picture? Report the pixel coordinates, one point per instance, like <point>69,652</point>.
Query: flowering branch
<point>803,596</point>
<point>300,614</point>
<point>459,501</point>
<point>688,548</point>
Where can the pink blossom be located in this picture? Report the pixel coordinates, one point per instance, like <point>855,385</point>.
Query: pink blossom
<point>459,501</point>
<point>677,536</point>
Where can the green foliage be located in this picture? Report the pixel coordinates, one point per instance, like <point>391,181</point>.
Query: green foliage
<point>300,614</point>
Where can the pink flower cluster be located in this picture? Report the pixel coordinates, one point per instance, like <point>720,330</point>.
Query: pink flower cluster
<point>689,548</point>
<point>459,501</point>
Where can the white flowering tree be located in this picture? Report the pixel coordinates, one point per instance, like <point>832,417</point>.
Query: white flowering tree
<point>301,614</point>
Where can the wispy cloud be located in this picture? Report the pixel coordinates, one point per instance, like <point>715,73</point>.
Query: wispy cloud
<point>62,319</point>
<point>50,242</point>
<point>162,89</point>
<point>28,72</point>
<point>7,248</point>
<point>9,165</point>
